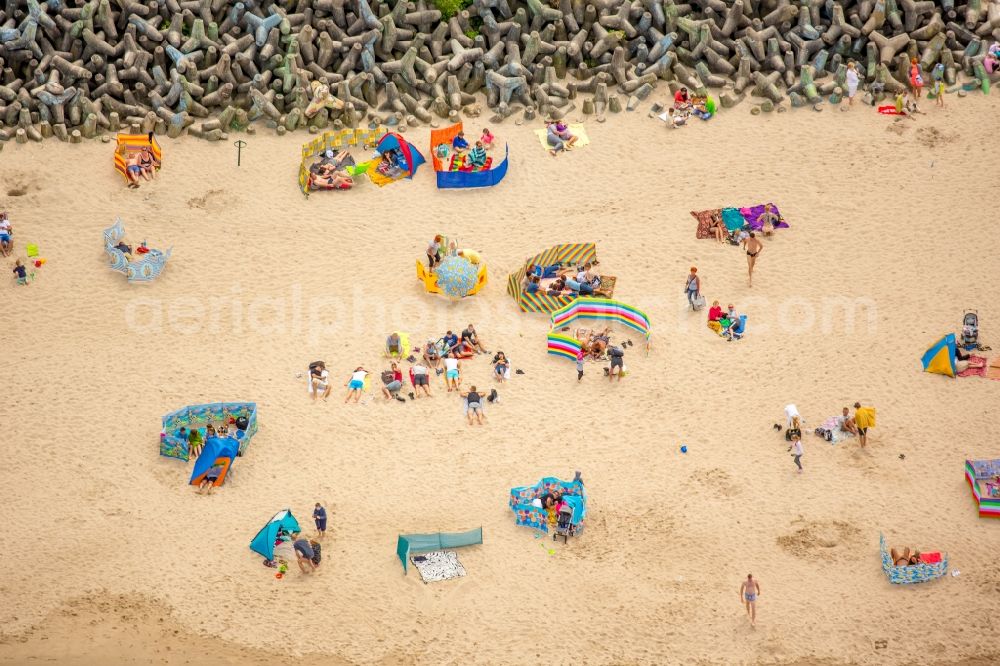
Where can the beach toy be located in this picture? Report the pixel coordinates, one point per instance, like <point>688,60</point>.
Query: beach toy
<point>39,262</point>
<point>279,575</point>
<point>31,249</point>
<point>684,448</point>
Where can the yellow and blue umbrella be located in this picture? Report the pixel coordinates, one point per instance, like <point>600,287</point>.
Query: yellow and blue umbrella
<point>457,276</point>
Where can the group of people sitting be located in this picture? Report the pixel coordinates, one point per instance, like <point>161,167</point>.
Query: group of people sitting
<point>475,154</point>
<point>558,137</point>
<point>393,164</point>
<point>553,503</point>
<point>769,220</point>
<point>725,322</point>
<point>575,280</point>
<point>141,164</point>
<point>330,172</point>
<point>686,105</point>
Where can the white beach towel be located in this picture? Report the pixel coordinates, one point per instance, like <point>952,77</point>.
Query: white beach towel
<point>438,565</point>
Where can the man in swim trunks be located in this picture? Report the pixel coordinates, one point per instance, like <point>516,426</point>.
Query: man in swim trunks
<point>753,248</point>
<point>303,553</point>
<point>749,591</point>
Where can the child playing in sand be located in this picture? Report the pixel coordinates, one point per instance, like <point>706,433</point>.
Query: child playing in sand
<point>21,272</point>
<point>6,235</point>
<point>487,138</point>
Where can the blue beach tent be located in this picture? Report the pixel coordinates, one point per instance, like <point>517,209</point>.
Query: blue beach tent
<point>940,358</point>
<point>263,543</point>
<point>412,156</point>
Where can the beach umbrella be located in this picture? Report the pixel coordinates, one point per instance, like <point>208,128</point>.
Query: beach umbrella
<point>456,276</point>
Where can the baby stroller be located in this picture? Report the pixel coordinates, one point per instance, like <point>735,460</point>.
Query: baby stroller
<point>564,526</point>
<point>970,330</point>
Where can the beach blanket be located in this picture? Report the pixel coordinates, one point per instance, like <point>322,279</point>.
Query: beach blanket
<point>458,163</point>
<point>977,367</point>
<point>752,216</point>
<point>890,110</point>
<point>706,219</point>
<point>438,565</point>
<point>832,425</point>
<point>576,129</point>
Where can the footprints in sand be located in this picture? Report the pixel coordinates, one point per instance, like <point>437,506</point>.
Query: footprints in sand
<point>820,538</point>
<point>213,201</point>
<point>932,137</point>
<point>18,187</point>
<point>717,481</point>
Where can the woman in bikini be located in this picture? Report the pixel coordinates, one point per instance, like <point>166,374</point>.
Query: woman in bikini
<point>753,248</point>
<point>146,164</point>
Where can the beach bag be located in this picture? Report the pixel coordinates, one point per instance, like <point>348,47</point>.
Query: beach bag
<point>698,303</point>
<point>715,326</point>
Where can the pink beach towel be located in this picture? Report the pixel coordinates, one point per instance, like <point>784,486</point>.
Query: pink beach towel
<point>975,371</point>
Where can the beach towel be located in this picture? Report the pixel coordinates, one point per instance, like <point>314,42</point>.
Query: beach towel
<point>576,129</point>
<point>458,163</point>
<point>705,218</point>
<point>608,285</point>
<point>382,180</point>
<point>977,367</point>
<point>890,110</point>
<point>752,216</point>
<point>832,425</point>
<point>733,219</point>
<point>864,417</point>
<point>438,565</point>
<point>993,371</point>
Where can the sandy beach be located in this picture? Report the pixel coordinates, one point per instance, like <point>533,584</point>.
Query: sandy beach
<point>113,558</point>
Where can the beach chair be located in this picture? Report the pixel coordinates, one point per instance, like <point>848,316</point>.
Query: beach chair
<point>970,330</point>
<point>741,327</point>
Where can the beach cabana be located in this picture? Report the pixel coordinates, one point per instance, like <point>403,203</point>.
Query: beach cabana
<point>263,543</point>
<point>241,416</point>
<point>144,267</point>
<point>410,544</point>
<point>217,451</point>
<point>527,513</point>
<point>337,140</point>
<point>567,346</point>
<point>453,172</point>
<point>408,159</point>
<point>551,260</point>
<point>940,357</point>
<point>128,145</point>
<point>983,477</point>
<point>910,573</point>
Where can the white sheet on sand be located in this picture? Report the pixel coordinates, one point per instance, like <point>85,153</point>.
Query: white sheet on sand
<point>833,425</point>
<point>438,565</point>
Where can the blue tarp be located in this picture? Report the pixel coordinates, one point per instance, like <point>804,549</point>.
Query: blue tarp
<point>263,543</point>
<point>215,448</point>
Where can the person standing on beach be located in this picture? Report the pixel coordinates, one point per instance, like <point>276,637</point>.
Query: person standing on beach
<point>319,515</point>
<point>753,248</point>
<point>693,287</point>
<point>796,451</point>
<point>579,364</point>
<point>304,553</point>
<point>749,591</point>
<point>852,80</point>
<point>916,79</point>
<point>864,418</point>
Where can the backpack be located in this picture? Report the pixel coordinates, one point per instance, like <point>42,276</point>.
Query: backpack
<point>388,377</point>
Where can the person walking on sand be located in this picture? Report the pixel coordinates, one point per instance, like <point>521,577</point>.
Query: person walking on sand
<point>749,591</point>
<point>753,247</point>
<point>580,355</point>
<point>692,287</point>
<point>797,451</point>
<point>864,418</point>
<point>319,515</point>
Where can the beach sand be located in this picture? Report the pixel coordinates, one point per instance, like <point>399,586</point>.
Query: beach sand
<point>112,558</point>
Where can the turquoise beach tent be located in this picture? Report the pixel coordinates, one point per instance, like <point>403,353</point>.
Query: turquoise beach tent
<point>940,358</point>
<point>263,543</point>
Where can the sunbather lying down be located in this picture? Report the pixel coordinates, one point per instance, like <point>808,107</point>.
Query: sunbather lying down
<point>904,558</point>
<point>328,177</point>
<point>593,343</point>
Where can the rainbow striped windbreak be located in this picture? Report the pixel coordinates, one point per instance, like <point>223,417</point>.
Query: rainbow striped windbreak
<point>570,254</point>
<point>989,507</point>
<point>592,308</point>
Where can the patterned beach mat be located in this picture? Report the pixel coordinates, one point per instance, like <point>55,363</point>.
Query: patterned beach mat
<point>438,565</point>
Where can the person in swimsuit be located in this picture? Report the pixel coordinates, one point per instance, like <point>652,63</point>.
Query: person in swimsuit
<point>474,405</point>
<point>356,384</point>
<point>749,591</point>
<point>847,423</point>
<point>146,163</point>
<point>753,248</point>
<point>133,171</point>
<point>453,369</point>
<point>768,220</point>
